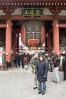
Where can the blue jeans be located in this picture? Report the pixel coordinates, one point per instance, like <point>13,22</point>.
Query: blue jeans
<point>17,63</point>
<point>56,74</point>
<point>42,86</point>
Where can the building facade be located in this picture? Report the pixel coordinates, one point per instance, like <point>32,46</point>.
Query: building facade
<point>15,13</point>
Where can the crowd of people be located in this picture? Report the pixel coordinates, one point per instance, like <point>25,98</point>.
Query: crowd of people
<point>23,59</point>
<point>41,64</point>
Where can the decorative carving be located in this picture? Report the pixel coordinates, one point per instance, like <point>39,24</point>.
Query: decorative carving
<point>55,11</point>
<point>55,6</point>
<point>8,10</point>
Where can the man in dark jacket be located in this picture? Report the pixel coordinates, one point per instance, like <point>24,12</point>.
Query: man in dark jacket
<point>17,60</point>
<point>64,66</point>
<point>41,72</point>
<point>22,60</point>
<point>56,69</point>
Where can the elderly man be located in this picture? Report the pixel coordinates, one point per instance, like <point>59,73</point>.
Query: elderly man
<point>33,63</point>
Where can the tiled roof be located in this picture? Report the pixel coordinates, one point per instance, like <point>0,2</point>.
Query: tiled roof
<point>32,1</point>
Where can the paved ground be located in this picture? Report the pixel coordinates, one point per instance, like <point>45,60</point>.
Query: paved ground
<point>18,84</point>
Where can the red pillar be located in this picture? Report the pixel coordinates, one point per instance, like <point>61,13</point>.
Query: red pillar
<point>8,40</point>
<point>56,36</point>
<point>22,34</point>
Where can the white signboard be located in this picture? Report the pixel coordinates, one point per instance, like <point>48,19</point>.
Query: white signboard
<point>0,55</point>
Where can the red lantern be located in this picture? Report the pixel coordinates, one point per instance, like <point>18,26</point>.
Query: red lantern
<point>33,33</point>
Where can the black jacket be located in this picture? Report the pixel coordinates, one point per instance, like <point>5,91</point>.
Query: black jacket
<point>56,62</point>
<point>22,57</point>
<point>64,64</point>
<point>41,71</point>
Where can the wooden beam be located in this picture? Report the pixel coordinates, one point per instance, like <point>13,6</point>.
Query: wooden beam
<point>19,17</point>
<point>62,25</point>
<point>61,17</point>
<point>2,25</point>
<point>32,18</point>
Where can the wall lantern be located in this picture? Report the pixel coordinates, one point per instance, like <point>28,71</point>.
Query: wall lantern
<point>7,53</point>
<point>7,25</point>
<point>57,53</point>
<point>57,25</point>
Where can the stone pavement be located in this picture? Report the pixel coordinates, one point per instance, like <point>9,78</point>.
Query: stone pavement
<point>18,84</point>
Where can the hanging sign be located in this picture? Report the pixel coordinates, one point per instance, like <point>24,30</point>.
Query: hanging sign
<point>32,12</point>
